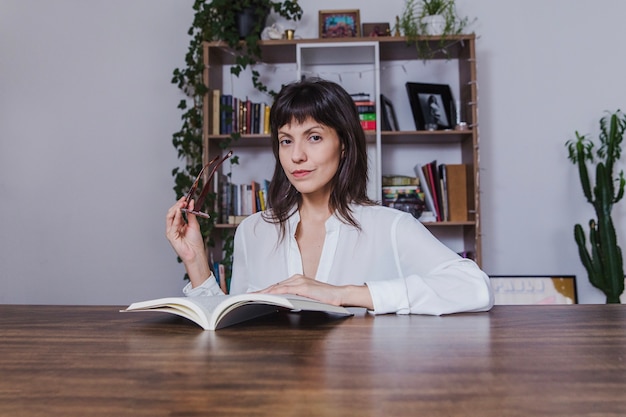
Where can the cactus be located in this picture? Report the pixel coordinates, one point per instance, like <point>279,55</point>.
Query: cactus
<point>603,258</point>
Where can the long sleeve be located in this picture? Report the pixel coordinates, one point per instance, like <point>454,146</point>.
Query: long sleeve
<point>429,277</point>
<point>207,288</point>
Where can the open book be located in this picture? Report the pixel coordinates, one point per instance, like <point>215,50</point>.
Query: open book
<point>216,312</point>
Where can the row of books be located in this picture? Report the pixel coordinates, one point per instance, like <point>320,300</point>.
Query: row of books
<point>237,201</point>
<point>234,115</point>
<point>445,188</point>
<point>398,185</point>
<point>367,111</point>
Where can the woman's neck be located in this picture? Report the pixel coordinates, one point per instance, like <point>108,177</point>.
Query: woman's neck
<point>315,208</point>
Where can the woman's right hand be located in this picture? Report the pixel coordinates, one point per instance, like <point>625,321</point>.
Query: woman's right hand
<point>186,239</point>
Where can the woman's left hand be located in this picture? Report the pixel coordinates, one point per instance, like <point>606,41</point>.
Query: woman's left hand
<point>349,295</point>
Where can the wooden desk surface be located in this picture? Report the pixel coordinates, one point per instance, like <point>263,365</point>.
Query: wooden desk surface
<point>512,361</point>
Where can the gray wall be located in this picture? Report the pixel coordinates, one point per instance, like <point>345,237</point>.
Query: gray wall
<point>87,112</point>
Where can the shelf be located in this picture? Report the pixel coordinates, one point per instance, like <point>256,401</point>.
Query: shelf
<point>225,226</point>
<point>248,141</point>
<point>449,224</point>
<point>388,138</point>
<point>425,137</point>
<point>391,48</point>
<point>427,224</point>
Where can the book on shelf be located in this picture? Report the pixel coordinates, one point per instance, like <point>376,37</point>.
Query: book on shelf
<point>236,117</point>
<point>235,219</point>
<point>226,114</point>
<point>214,109</point>
<point>446,190</point>
<point>443,191</point>
<point>266,125</point>
<point>248,112</point>
<point>217,312</point>
<point>400,180</point>
<point>392,192</point>
<point>432,183</point>
<point>366,109</point>
<point>262,118</point>
<point>219,270</point>
<point>457,191</point>
<point>428,197</point>
<point>368,121</point>
<point>256,118</point>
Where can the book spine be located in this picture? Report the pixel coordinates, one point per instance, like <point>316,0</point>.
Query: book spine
<point>368,124</point>
<point>222,281</point>
<point>223,114</point>
<point>235,115</point>
<point>434,184</point>
<point>216,97</point>
<point>391,192</point>
<point>248,112</point>
<point>256,117</point>
<point>267,120</point>
<point>457,187</point>
<point>262,118</point>
<point>428,198</point>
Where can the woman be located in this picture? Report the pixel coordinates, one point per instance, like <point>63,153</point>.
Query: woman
<point>323,238</point>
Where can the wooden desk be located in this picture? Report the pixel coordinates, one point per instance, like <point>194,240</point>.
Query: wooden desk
<point>512,361</point>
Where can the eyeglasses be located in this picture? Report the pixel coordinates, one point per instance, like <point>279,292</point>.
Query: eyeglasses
<point>216,162</point>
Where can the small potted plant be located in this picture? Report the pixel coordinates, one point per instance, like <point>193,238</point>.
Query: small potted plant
<point>431,17</point>
<point>434,16</point>
<point>422,18</point>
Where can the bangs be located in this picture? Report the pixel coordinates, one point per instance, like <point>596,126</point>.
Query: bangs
<point>301,105</point>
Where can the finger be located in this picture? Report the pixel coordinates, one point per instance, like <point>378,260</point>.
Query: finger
<point>174,217</point>
<point>191,218</point>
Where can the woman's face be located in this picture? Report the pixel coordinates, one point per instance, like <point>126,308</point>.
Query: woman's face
<point>309,154</point>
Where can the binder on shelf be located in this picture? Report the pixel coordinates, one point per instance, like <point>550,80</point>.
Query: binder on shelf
<point>457,185</point>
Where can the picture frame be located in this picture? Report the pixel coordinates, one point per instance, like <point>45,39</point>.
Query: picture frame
<point>388,116</point>
<point>431,105</point>
<point>339,23</point>
<point>373,30</point>
<point>534,289</point>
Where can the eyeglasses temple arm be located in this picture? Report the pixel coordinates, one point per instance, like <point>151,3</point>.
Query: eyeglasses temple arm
<point>207,184</point>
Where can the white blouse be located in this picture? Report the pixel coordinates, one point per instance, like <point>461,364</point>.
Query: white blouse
<point>407,270</point>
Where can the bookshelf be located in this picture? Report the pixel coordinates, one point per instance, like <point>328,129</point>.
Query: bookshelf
<point>372,66</point>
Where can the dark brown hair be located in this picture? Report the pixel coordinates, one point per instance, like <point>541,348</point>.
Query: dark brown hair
<point>329,104</point>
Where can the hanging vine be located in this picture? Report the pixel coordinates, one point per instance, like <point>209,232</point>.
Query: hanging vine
<point>216,20</point>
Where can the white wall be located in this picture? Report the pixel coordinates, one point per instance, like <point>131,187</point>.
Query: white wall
<point>87,112</point>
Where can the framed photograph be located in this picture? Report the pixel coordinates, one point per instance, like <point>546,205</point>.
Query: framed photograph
<point>534,289</point>
<point>432,106</point>
<point>339,23</point>
<point>375,29</point>
<point>390,121</point>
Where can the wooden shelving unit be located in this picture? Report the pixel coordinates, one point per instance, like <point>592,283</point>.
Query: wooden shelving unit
<point>459,54</point>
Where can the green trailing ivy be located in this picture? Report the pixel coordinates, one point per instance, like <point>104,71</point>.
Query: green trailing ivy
<point>216,20</point>
<point>602,257</point>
